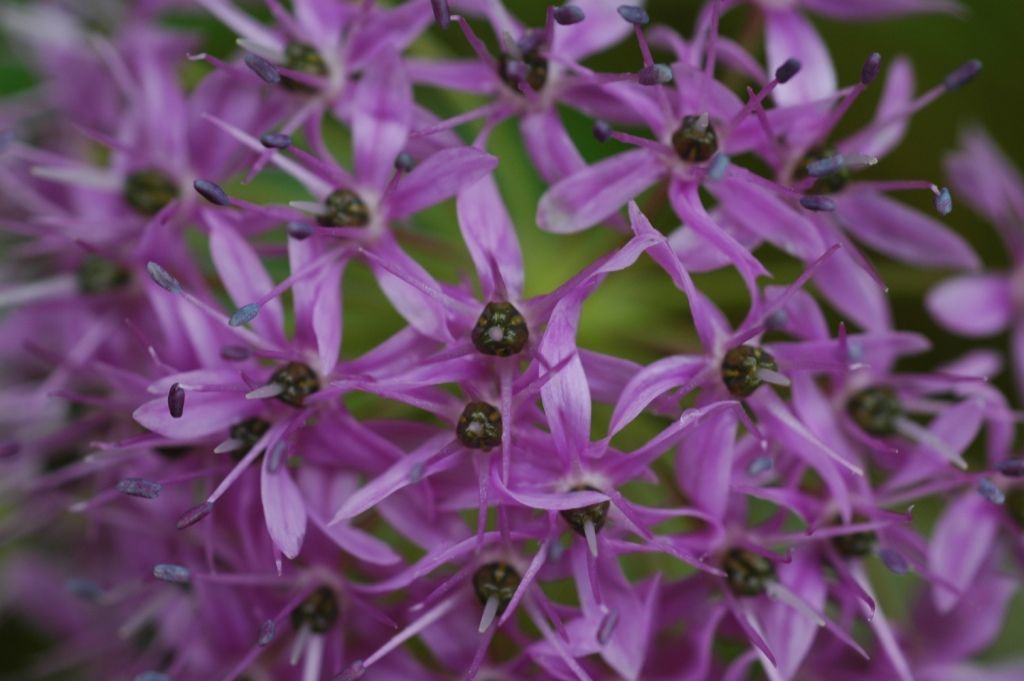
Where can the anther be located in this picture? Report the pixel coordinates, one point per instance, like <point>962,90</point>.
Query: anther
<point>479,426</point>
<point>495,584</point>
<point>267,632</point>
<point>696,140</point>
<point>962,75</point>
<point>244,314</point>
<point>818,203</point>
<point>944,201</point>
<point>746,367</point>
<point>263,68</point>
<point>162,277</point>
<point>876,410</point>
<point>871,68</point>
<point>148,191</point>
<point>212,192</point>
<point>527,66</point>
<point>567,15</point>
<point>442,15</point>
<point>602,131</point>
<point>344,208</point>
<point>719,166</point>
<point>635,15</point>
<point>139,487</point>
<point>297,382</point>
<point>404,162</point>
<point>989,491</point>
<point>318,612</point>
<point>787,70</point>
<point>176,401</point>
<point>194,515</point>
<point>655,74</point>
<point>894,560</point>
<point>276,140</point>
<point>85,589</point>
<point>500,330</point>
<point>235,353</point>
<point>152,676</point>
<point>607,627</point>
<point>168,572</point>
<point>747,573</point>
<point>1011,468</point>
<point>298,230</point>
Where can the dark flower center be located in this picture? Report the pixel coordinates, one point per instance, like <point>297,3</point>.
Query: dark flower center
<point>479,426</point>
<point>247,433</point>
<point>344,208</point>
<point>319,611</point>
<point>876,410</point>
<point>826,184</point>
<point>303,58</point>
<point>856,545</point>
<point>297,381</point>
<point>696,140</point>
<point>597,514</point>
<point>500,330</point>
<point>498,580</point>
<point>740,368</point>
<point>748,573</point>
<point>98,275</point>
<point>530,67</point>
<point>148,191</point>
<point>173,452</point>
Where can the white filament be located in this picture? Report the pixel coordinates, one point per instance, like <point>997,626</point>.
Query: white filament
<point>590,532</point>
<point>265,391</point>
<point>490,612</point>
<point>299,644</point>
<point>781,593</point>
<point>917,433</point>
<point>773,377</point>
<point>229,445</point>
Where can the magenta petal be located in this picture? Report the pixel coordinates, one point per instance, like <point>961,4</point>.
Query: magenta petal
<point>973,305</point>
<point>360,544</point>
<point>653,380</point>
<point>704,463</point>
<point>409,293</point>
<point>491,238</point>
<point>381,115</point>
<point>283,508</point>
<point>596,192</point>
<point>962,541</point>
<point>206,414</point>
<point>902,232</point>
<point>549,145</point>
<point>602,28</point>
<point>437,178</point>
<point>898,93</point>
<point>790,35</point>
<point>243,274</point>
<point>327,317</point>
<point>853,292</point>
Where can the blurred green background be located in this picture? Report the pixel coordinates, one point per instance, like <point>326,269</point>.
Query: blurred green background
<point>638,314</point>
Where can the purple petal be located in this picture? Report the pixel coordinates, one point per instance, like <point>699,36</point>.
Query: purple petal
<point>973,305</point>
<point>490,237</point>
<point>549,145</point>
<point>962,540</point>
<point>381,115</point>
<point>437,178</point>
<point>789,35</point>
<point>208,414</point>
<point>653,380</point>
<point>898,93</point>
<point>704,463</point>
<point>283,509</point>
<point>327,317</point>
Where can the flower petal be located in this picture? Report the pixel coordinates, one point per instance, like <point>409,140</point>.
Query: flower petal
<point>437,178</point>
<point>283,508</point>
<point>490,237</point>
<point>549,145</point>
<point>973,305</point>
<point>962,540</point>
<point>381,115</point>
<point>789,35</point>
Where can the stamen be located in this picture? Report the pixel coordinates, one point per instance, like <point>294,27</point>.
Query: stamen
<point>988,489</point>
<point>591,534</point>
<point>944,202</point>
<point>567,15</point>
<point>818,203</point>
<point>163,278</point>
<point>490,612</point>
<point>773,377</point>
<point>500,330</point>
<point>719,165</point>
<point>244,314</point>
<point>742,369</point>
<point>139,487</point>
<point>602,131</point>
<point>265,391</point>
<point>442,15</point>
<point>299,230</point>
<point>783,594</point>
<point>830,165</point>
<point>962,75</point>
<point>359,667</point>
<point>696,140</point>
<point>479,426</point>
<point>263,68</point>
<point>276,456</point>
<point>1011,468</point>
<point>176,574</point>
<point>607,628</point>
<point>152,676</point>
<point>635,15</point>
<point>872,66</point>
<point>655,74</point>
<point>229,445</point>
<point>85,589</point>
<point>299,644</point>
<point>895,561</point>
<point>194,515</point>
<point>915,432</point>
<point>787,70</point>
<point>761,464</point>
<point>267,632</point>
<point>276,140</point>
<point>212,192</point>
<point>176,400</point>
<point>404,162</point>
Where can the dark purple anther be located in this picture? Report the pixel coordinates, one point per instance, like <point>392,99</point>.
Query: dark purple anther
<point>299,230</point>
<point>602,131</point>
<point>818,203</point>
<point>244,314</point>
<point>567,15</point>
<point>963,75</point>
<point>175,574</point>
<point>871,67</point>
<point>139,487</point>
<point>235,353</point>
<point>1011,468</point>
<point>263,68</point>
<point>267,631</point>
<point>895,561</point>
<point>442,15</point>
<point>944,202</point>
<point>404,162</point>
<point>634,15</point>
<point>194,515</point>
<point>988,489</point>
<point>176,400</point>
<point>789,68</point>
<point>276,140</point>
<point>212,192</point>
<point>162,277</point>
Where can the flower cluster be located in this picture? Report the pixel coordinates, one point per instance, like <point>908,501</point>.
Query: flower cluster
<point>201,484</point>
